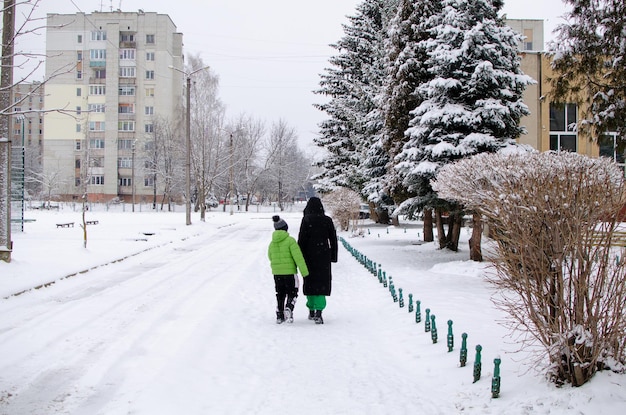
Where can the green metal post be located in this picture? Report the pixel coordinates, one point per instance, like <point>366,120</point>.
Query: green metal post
<point>477,364</point>
<point>418,313</point>
<point>410,303</point>
<point>433,329</point>
<point>450,337</point>
<point>495,382</point>
<point>427,321</point>
<point>463,357</point>
<point>401,300</point>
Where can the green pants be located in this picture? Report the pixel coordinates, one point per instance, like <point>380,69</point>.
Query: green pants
<point>316,302</point>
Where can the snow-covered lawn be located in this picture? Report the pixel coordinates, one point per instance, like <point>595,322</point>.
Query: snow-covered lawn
<point>156,317</point>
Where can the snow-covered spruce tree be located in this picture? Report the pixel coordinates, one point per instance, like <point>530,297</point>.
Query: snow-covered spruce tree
<point>406,71</point>
<point>471,104</point>
<point>561,280</point>
<point>589,57</point>
<point>352,83</point>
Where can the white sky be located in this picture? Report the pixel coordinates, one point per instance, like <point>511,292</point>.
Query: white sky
<point>268,54</point>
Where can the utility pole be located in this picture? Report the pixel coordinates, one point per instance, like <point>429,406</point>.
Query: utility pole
<point>6,84</point>
<point>188,143</point>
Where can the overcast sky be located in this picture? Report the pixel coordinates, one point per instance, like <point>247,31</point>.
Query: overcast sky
<point>268,54</point>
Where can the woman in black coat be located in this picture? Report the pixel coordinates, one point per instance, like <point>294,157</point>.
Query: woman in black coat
<point>318,242</point>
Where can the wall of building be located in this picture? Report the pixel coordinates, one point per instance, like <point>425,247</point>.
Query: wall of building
<point>140,49</point>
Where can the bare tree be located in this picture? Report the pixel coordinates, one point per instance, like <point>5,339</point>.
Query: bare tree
<point>207,115</point>
<point>344,204</point>
<point>562,281</point>
<point>164,160</point>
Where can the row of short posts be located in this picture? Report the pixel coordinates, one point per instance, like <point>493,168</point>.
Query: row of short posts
<point>430,325</point>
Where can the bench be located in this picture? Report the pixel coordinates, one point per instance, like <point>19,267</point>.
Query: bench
<point>91,222</point>
<point>65,225</point>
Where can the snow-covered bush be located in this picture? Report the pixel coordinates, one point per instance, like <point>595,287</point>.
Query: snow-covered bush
<point>344,204</point>
<point>553,217</point>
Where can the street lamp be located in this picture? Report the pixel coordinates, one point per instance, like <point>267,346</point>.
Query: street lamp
<point>188,143</point>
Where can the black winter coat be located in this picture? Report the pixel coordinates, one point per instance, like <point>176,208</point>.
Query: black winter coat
<point>318,242</point>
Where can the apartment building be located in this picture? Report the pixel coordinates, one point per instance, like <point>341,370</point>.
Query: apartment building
<point>552,125</point>
<point>110,78</point>
<point>27,133</point>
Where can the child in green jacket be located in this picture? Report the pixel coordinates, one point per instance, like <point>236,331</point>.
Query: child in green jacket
<point>285,259</point>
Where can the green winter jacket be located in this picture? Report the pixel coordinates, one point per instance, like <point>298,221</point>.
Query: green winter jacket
<point>284,254</point>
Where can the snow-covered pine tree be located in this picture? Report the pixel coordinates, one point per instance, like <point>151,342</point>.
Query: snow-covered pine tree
<point>406,70</point>
<point>589,56</point>
<point>472,103</point>
<point>352,84</point>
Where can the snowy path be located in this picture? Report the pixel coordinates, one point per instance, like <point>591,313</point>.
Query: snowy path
<point>189,329</point>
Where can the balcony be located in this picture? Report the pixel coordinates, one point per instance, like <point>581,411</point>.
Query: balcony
<point>128,44</point>
<point>97,64</point>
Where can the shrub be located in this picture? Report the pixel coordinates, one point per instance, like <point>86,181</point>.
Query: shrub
<point>553,219</point>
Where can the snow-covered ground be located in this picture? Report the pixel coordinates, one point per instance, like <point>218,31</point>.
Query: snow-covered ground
<point>155,317</point>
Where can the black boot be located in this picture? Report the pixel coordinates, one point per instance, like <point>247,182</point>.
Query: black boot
<point>311,314</point>
<point>280,317</point>
<point>318,317</point>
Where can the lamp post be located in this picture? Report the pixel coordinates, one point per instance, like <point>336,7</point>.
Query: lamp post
<point>188,143</point>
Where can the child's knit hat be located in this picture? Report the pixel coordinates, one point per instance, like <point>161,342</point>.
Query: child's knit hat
<point>279,224</point>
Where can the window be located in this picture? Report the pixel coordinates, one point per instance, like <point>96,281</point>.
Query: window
<point>125,182</point>
<point>96,125</point>
<point>96,143</point>
<point>563,135</point>
<point>149,110</point>
<point>78,129</point>
<point>528,39</point>
<point>97,179</point>
<point>149,74</point>
<point>126,126</point>
<point>127,54</point>
<point>97,161</point>
<point>125,162</point>
<point>98,35</point>
<point>149,92</point>
<point>148,181</point>
<point>125,144</point>
<point>78,110</point>
<point>77,181</point>
<point>79,55</point>
<point>149,56</point>
<point>97,90</point>
<point>612,147</point>
<point>78,92</point>
<point>98,54</point>
<point>79,74</point>
<point>127,90</point>
<point>77,145</point>
<point>126,109</point>
<point>149,128</point>
<point>79,38</point>
<point>100,73</point>
<point>127,72</point>
<point>127,37</point>
<point>95,107</point>
<point>150,39</point>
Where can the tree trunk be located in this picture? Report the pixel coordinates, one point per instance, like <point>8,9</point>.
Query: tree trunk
<point>441,232</point>
<point>455,223</point>
<point>476,238</point>
<point>428,225</point>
